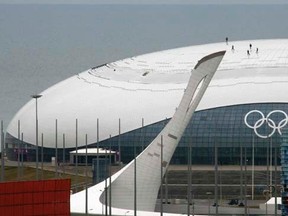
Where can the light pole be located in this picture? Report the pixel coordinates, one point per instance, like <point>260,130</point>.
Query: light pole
<point>189,190</point>
<point>2,154</point>
<point>253,165</point>
<point>36,113</point>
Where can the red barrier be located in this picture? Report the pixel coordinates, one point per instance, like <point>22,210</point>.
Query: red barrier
<point>47,197</point>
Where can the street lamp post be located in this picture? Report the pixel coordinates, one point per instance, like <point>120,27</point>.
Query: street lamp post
<point>36,113</point>
<point>2,154</point>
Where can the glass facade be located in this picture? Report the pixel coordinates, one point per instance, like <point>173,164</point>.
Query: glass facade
<point>223,127</point>
<point>284,173</point>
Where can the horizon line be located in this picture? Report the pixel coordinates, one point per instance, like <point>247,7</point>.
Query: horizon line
<point>144,2</point>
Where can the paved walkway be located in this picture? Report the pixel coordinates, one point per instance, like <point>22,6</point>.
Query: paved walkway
<point>224,167</point>
<point>204,207</point>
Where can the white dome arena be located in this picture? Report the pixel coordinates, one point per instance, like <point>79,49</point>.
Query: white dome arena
<point>150,87</point>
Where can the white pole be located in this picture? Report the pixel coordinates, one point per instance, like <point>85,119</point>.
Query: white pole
<point>245,177</point>
<point>161,173</point>
<point>56,149</point>
<point>135,181</point>
<point>220,181</point>
<point>119,142</point>
<point>110,180</point>
<point>216,177</point>
<point>37,144</point>
<point>275,180</point>
<point>37,149</point>
<point>142,134</point>
<point>18,152</point>
<point>42,155</point>
<point>106,175</point>
<point>97,164</point>
<point>253,167</point>
<point>241,175</point>
<point>63,160</point>
<point>189,179</point>
<point>86,175</point>
<point>2,154</point>
<point>271,159</point>
<point>22,144</point>
<point>76,155</point>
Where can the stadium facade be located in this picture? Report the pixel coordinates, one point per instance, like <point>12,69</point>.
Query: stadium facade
<point>125,104</point>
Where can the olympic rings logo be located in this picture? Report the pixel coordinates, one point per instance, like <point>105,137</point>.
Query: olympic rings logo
<point>268,121</point>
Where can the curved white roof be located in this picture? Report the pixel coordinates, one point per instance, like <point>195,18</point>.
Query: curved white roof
<point>150,86</point>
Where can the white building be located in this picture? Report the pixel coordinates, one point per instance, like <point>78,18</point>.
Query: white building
<point>145,90</point>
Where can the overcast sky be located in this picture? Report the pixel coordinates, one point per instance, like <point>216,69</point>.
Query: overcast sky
<point>144,1</point>
<point>41,46</point>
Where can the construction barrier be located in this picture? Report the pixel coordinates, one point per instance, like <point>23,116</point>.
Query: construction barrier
<point>45,197</point>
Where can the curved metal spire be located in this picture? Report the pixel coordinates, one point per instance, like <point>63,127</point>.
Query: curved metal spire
<point>148,163</point>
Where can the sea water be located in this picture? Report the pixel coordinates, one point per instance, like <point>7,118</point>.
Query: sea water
<point>41,45</point>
